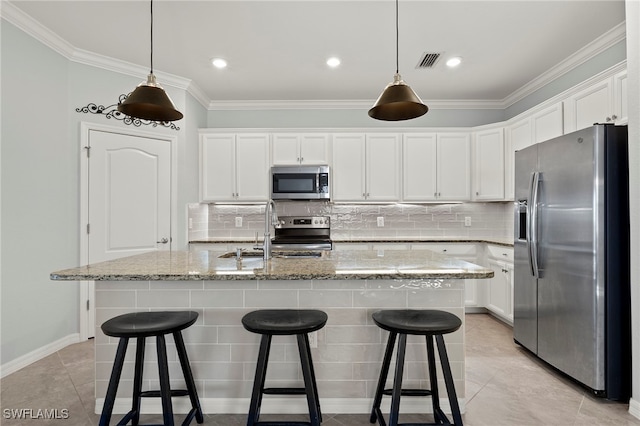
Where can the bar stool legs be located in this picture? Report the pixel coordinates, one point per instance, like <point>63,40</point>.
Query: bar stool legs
<point>310,387</point>
<point>141,325</point>
<point>432,325</point>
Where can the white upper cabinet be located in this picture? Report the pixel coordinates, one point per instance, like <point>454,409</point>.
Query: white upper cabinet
<point>536,127</point>
<point>604,101</point>
<point>488,155</point>
<point>547,123</point>
<point>436,167</point>
<point>234,167</point>
<point>293,148</point>
<point>454,167</point>
<point>419,162</point>
<point>366,167</point>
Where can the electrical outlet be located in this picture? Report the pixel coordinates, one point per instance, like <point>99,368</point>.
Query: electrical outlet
<point>313,339</point>
<point>380,221</point>
<point>467,221</point>
<point>238,221</point>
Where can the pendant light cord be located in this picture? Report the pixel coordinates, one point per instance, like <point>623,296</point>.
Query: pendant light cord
<point>151,72</point>
<point>397,44</point>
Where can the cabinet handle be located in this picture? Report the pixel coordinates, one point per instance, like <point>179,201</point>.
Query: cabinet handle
<point>301,159</point>
<point>368,195</point>
<point>438,194</point>
<point>163,241</point>
<point>477,193</point>
<point>608,119</point>
<point>298,159</point>
<point>614,117</point>
<point>435,194</point>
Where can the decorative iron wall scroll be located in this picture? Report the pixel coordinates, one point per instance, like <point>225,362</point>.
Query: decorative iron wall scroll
<point>111,111</point>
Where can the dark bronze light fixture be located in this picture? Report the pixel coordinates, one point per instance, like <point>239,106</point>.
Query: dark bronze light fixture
<point>149,101</point>
<point>397,101</point>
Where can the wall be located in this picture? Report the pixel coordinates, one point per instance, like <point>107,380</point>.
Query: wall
<point>39,199</point>
<point>633,67</point>
<point>359,221</point>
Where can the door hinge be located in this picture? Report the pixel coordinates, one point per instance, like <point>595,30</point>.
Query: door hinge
<point>88,149</point>
<point>88,228</point>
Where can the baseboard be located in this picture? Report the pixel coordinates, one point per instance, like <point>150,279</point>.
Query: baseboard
<point>634,408</point>
<point>36,355</point>
<point>278,405</point>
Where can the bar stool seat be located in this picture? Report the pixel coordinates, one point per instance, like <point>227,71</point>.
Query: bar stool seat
<point>281,322</point>
<point>140,325</point>
<point>432,324</point>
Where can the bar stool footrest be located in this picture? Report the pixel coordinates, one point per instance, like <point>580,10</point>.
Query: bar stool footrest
<point>157,393</point>
<point>409,392</point>
<point>283,423</point>
<point>284,391</point>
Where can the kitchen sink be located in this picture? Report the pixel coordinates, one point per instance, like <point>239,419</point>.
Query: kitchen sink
<point>298,255</point>
<point>244,254</point>
<point>276,254</point>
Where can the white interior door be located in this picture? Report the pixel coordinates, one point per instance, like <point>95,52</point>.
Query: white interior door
<point>128,199</point>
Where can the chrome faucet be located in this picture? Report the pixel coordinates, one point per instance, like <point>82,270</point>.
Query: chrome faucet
<point>270,218</point>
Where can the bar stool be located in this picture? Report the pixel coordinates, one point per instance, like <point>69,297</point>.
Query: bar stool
<point>272,322</point>
<point>140,325</point>
<point>431,324</point>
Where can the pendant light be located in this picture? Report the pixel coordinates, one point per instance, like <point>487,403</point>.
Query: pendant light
<point>397,101</point>
<point>148,100</point>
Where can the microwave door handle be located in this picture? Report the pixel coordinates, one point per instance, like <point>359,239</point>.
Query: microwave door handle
<point>318,183</point>
<point>533,224</point>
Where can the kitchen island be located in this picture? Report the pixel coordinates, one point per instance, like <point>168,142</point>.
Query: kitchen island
<point>347,285</point>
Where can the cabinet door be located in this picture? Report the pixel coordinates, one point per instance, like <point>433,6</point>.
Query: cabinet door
<point>348,167</point>
<point>217,167</point>
<point>252,167</point>
<point>498,296</point>
<point>592,105</point>
<point>383,167</point>
<point>453,171</point>
<point>285,149</point>
<point>488,161</point>
<point>620,113</point>
<point>314,149</point>
<point>519,136</point>
<point>419,167</point>
<point>548,123</point>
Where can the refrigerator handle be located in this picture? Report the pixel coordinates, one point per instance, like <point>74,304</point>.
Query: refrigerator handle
<point>532,238</point>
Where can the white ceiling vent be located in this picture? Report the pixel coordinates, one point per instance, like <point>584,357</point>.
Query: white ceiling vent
<point>428,60</point>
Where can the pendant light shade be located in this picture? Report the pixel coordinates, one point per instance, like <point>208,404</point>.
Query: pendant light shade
<point>149,101</point>
<point>397,101</point>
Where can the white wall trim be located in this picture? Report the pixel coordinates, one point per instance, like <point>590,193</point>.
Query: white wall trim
<point>634,408</point>
<point>294,405</point>
<point>36,355</point>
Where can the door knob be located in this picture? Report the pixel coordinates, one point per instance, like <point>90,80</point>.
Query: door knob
<point>163,241</point>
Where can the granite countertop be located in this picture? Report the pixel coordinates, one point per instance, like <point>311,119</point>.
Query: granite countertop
<point>496,241</point>
<point>332,265</point>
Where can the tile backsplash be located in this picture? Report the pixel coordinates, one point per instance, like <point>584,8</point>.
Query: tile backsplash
<point>358,221</point>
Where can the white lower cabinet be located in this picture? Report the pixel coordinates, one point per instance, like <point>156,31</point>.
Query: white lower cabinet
<point>500,287</point>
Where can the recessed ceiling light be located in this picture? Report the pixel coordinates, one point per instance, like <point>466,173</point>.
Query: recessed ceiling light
<point>454,62</point>
<point>333,62</point>
<point>219,63</point>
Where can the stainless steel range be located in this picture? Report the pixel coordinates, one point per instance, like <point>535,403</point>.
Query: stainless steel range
<point>302,233</point>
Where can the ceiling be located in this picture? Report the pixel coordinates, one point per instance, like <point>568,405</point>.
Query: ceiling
<point>277,50</point>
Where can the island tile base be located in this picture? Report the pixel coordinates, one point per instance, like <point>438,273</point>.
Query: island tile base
<point>223,354</point>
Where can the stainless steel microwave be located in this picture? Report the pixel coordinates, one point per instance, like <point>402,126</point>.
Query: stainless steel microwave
<point>300,183</point>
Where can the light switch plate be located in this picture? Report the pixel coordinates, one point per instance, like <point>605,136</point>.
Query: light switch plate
<point>467,221</point>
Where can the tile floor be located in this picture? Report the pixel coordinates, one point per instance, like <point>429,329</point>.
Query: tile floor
<point>505,386</point>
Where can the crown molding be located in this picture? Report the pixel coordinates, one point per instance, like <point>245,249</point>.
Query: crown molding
<point>599,45</point>
<point>17,17</point>
<point>250,105</point>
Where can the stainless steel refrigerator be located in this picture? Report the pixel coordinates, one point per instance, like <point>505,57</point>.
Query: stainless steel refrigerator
<point>571,248</point>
